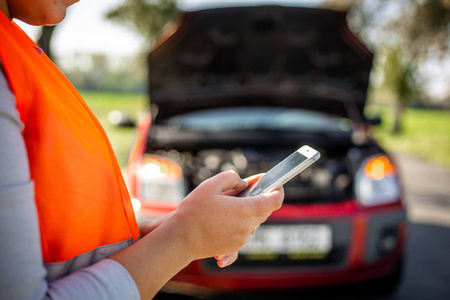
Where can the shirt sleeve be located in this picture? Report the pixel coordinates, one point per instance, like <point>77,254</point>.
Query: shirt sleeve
<point>22,273</point>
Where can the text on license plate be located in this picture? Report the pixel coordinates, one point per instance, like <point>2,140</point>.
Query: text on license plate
<point>290,239</point>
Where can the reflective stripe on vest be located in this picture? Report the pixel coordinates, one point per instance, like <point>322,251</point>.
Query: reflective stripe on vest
<point>59,269</point>
<point>81,198</point>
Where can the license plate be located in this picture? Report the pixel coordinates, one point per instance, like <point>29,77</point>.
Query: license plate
<point>305,241</point>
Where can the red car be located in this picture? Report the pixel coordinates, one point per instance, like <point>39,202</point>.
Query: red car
<point>241,88</point>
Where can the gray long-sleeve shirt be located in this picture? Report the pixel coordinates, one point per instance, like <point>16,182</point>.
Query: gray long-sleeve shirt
<point>22,272</point>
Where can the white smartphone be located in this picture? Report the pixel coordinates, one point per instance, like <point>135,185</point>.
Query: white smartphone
<point>292,165</point>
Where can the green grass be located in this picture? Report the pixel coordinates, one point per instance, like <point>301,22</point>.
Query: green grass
<point>132,105</point>
<point>426,133</point>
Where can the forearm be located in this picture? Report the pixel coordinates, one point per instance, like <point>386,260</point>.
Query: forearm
<point>106,279</point>
<point>156,258</point>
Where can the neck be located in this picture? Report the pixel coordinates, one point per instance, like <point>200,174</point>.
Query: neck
<point>4,9</point>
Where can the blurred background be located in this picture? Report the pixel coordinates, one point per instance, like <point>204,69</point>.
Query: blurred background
<point>102,46</point>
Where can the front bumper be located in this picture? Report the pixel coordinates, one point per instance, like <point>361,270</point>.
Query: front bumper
<point>367,244</point>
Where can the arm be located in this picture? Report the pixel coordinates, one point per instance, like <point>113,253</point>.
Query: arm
<point>207,223</point>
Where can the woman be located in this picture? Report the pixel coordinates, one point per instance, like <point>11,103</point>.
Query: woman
<point>66,223</point>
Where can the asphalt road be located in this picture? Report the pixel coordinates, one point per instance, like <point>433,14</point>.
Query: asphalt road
<point>427,268</point>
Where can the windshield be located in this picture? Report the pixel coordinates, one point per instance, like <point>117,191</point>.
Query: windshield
<point>262,118</point>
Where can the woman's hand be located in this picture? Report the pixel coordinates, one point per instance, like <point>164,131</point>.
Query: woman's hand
<point>214,222</point>
<point>147,226</point>
<point>209,222</point>
<point>228,259</point>
<point>223,260</point>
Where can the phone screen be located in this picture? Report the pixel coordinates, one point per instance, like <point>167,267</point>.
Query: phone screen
<point>285,170</point>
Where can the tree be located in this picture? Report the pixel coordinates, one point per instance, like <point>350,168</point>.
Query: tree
<point>148,17</point>
<point>407,34</point>
<point>421,29</point>
<point>398,78</point>
<point>427,29</point>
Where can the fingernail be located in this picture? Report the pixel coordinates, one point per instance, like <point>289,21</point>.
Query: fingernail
<point>220,257</point>
<point>223,263</point>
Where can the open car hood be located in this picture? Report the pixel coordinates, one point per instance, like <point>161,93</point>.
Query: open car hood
<point>259,56</point>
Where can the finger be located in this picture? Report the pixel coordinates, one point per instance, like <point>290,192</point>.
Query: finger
<point>265,203</point>
<point>260,220</point>
<point>227,260</point>
<point>228,180</point>
<point>220,256</point>
<point>253,179</point>
<point>237,189</point>
<point>251,182</point>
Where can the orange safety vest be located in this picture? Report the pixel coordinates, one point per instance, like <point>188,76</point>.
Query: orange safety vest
<point>82,202</point>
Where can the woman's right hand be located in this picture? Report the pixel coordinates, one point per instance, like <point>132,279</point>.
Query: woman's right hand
<point>213,222</point>
<point>209,222</point>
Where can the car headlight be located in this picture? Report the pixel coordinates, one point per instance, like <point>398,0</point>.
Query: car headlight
<point>376,182</point>
<point>160,179</point>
